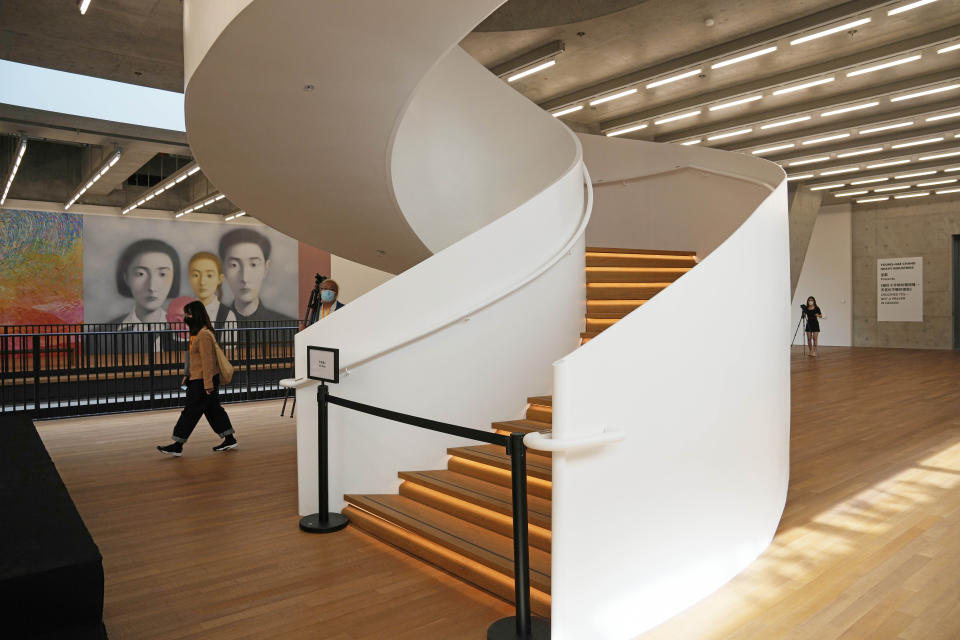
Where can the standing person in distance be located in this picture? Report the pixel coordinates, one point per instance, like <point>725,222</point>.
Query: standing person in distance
<point>329,290</point>
<point>202,379</point>
<point>811,312</point>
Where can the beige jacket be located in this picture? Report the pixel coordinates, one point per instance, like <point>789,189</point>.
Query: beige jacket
<point>202,359</point>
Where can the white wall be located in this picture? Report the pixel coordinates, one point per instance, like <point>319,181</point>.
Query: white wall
<point>354,278</point>
<point>827,275</point>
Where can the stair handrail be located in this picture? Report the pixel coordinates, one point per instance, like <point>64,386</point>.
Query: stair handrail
<point>522,623</point>
<point>563,251</point>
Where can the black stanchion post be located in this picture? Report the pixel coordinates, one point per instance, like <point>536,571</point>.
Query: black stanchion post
<point>323,521</point>
<point>522,625</point>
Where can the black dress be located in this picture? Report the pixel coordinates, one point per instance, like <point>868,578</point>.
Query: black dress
<point>813,324</point>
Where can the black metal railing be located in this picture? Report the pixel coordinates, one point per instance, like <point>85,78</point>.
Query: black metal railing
<point>52,371</point>
<point>522,624</point>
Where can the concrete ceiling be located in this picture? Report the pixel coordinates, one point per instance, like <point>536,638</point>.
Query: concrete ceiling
<point>616,45</point>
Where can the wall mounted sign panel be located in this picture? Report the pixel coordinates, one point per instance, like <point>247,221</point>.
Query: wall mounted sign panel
<point>900,290</point>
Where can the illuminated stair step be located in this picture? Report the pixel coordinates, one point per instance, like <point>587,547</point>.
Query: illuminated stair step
<point>634,275</point>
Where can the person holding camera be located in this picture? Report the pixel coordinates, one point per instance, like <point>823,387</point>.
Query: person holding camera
<point>811,314</point>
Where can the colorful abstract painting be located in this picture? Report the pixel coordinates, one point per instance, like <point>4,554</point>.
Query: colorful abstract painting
<point>41,267</point>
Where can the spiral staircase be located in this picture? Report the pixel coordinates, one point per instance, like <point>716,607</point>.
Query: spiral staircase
<point>362,128</point>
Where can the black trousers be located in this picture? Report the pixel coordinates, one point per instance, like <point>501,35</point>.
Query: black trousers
<point>202,404</point>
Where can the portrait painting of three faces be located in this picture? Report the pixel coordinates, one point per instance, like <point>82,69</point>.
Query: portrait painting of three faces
<point>146,271</point>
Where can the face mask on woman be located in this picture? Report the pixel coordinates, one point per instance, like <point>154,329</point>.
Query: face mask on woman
<point>328,295</point>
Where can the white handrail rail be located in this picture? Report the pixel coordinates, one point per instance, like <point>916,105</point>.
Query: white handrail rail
<point>544,441</point>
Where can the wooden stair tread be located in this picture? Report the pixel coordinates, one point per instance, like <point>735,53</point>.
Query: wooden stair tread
<point>476,543</point>
<point>522,426</point>
<point>483,494</point>
<point>603,315</point>
<point>619,290</point>
<point>632,275</point>
<point>492,455</point>
<point>542,400</point>
<point>638,260</point>
<point>654,252</point>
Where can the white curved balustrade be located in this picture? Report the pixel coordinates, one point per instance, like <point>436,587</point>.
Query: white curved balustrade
<point>360,127</point>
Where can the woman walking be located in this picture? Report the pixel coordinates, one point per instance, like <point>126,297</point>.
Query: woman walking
<point>202,379</point>
<point>811,313</point>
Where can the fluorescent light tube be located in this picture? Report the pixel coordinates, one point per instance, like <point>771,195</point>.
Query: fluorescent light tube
<point>859,152</point>
<point>899,187</point>
<point>869,181</point>
<point>827,138</point>
<point>873,199</point>
<point>532,70</point>
<point>834,172</point>
<point>934,183</point>
<point>783,123</point>
<point>830,31</point>
<point>681,116</point>
<point>805,85</point>
<point>866,105</point>
<point>681,76</point>
<point>797,163</point>
<point>944,116</point>
<point>903,196</point>
<point>236,215</point>
<point>615,96</point>
<point>915,174</point>
<point>910,96</point>
<point>915,143</point>
<point>193,171</point>
<point>908,7</point>
<point>83,6</point>
<point>851,193</point>
<point>943,191</point>
<point>886,127</point>
<point>883,65</point>
<point>771,149</point>
<point>727,105</point>
<point>937,156</point>
<point>746,56</point>
<point>800,177</point>
<point>219,197</point>
<point>892,163</point>
<point>691,142</point>
<point>620,132</point>
<point>729,134</point>
<point>952,47</point>
<point>828,186</point>
<point>563,112</point>
<point>951,169</point>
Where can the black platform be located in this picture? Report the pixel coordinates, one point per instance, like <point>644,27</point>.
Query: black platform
<point>51,571</point>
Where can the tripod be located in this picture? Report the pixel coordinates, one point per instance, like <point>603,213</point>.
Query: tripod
<point>313,306</point>
<point>792,342</point>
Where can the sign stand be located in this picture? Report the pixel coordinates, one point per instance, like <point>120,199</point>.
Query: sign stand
<point>323,364</point>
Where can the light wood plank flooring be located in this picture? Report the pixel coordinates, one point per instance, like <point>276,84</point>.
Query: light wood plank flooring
<point>207,546</point>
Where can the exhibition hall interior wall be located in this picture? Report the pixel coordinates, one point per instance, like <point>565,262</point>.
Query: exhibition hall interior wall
<point>827,275</point>
<point>74,268</point>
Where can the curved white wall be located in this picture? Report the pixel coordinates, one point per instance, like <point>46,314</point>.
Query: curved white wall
<point>697,380</point>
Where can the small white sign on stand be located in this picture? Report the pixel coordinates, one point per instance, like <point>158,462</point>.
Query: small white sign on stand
<point>323,363</point>
<point>900,290</point>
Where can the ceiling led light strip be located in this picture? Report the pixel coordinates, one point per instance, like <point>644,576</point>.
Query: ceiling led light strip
<point>886,127</point>
<point>615,96</point>
<point>903,196</point>
<point>830,31</point>
<point>746,56</point>
<point>729,134</point>
<point>899,187</point>
<point>727,105</point>
<point>102,171</point>
<point>772,149</point>
<point>675,78</point>
<point>563,112</point>
<point>883,65</point>
<point>952,47</point>
<point>828,186</point>
<point>176,178</point>
<point>945,191</point>
<point>838,136</point>
<point>949,154</point>
<point>834,172</point>
<point>532,70</point>
<point>893,163</point>
<point>681,116</point>
<point>800,177</point>
<point>866,105</point>
<point>908,7</point>
<point>955,114</point>
<point>798,163</point>
<point>806,85</point>
<point>869,181</point>
<point>934,183</point>
<point>846,194</point>
<point>880,199</point>
<point>236,215</point>
<point>21,149</point>
<point>620,132</point>
<point>783,123</point>
<point>692,142</point>
<point>916,143</point>
<point>911,96</point>
<point>860,152</point>
<point>915,174</point>
<point>199,204</point>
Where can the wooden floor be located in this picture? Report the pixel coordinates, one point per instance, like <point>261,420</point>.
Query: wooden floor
<point>207,546</point>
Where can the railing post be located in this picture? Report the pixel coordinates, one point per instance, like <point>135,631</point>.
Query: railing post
<point>522,626</point>
<point>323,521</point>
<point>35,340</point>
<point>151,362</point>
